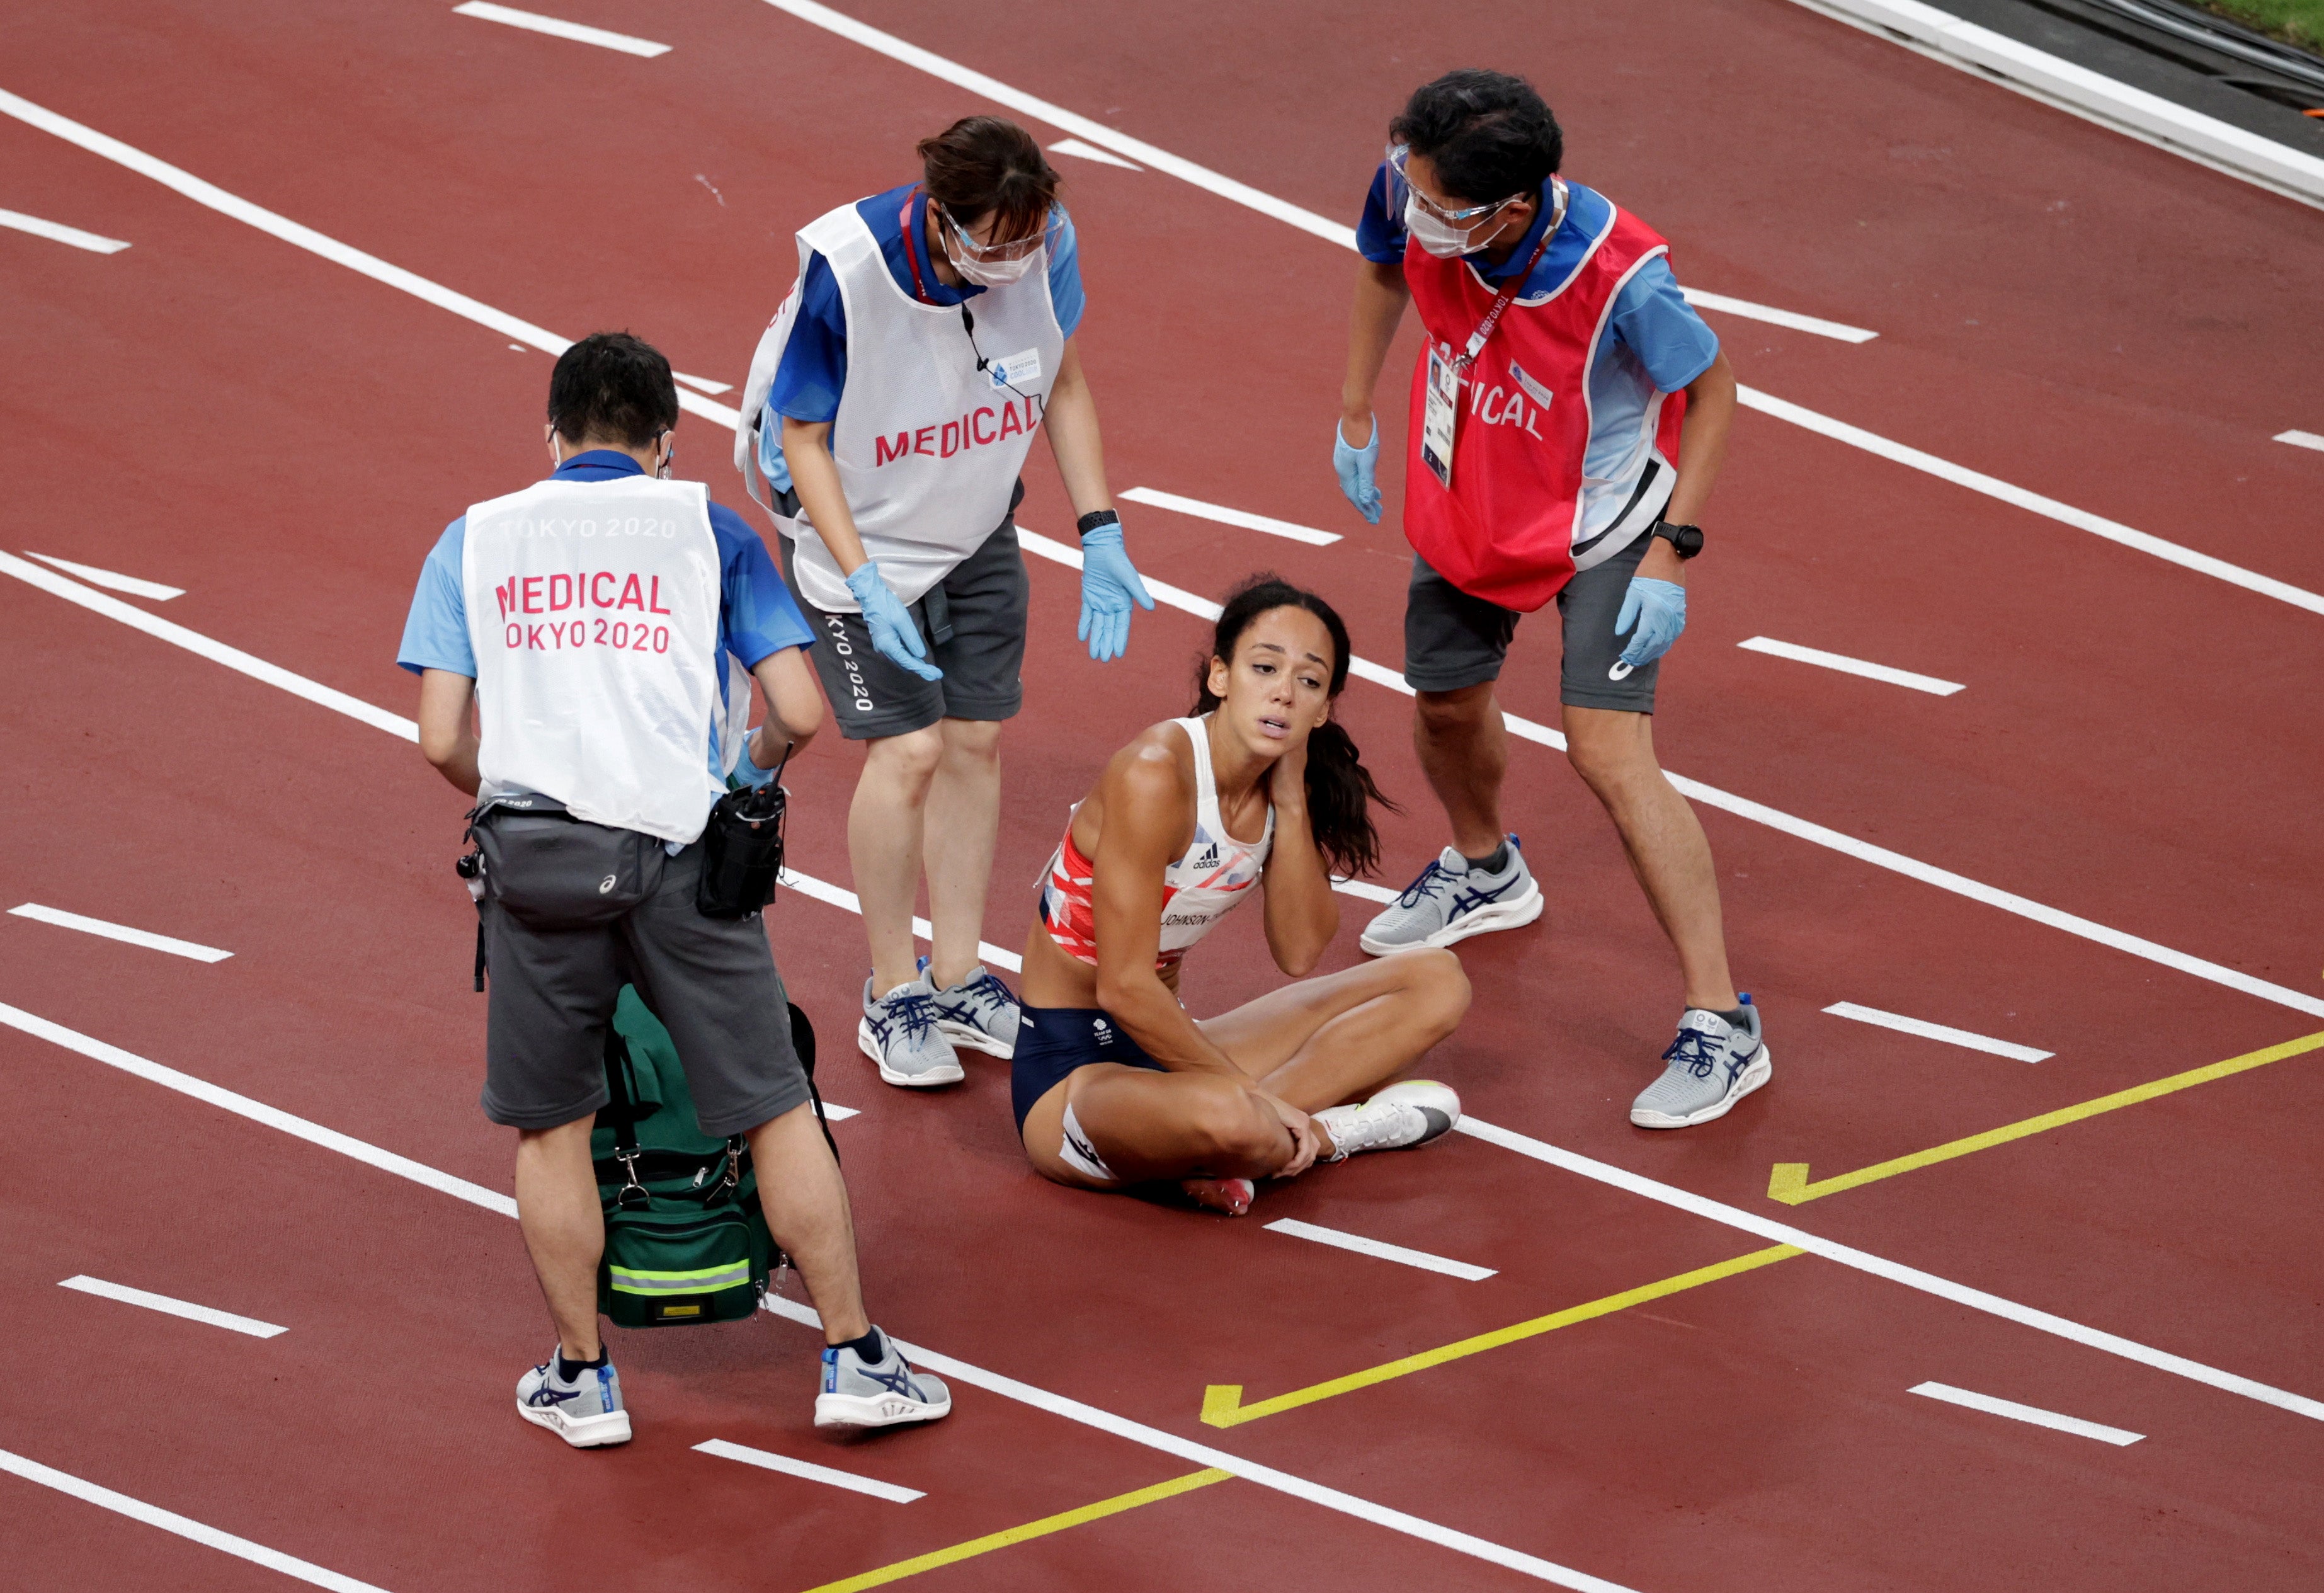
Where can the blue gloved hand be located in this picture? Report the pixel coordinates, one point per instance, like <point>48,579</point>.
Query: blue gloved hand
<point>1659,610</point>
<point>893,635</point>
<point>1356,468</point>
<point>747,772</point>
<point>1109,584</point>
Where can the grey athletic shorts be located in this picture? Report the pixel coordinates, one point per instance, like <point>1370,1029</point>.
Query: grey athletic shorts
<point>574,910</point>
<point>1452,640</point>
<point>973,622</point>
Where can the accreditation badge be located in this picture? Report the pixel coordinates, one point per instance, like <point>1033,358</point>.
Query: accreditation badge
<point>1437,415</point>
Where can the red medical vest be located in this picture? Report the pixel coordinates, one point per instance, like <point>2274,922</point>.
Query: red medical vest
<point>1505,530</point>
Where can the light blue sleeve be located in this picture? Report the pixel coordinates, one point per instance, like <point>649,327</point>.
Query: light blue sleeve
<point>435,633</point>
<point>1065,274</point>
<point>1656,323</point>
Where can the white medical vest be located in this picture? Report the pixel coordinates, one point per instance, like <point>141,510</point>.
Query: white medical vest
<point>592,609</point>
<point>928,447</point>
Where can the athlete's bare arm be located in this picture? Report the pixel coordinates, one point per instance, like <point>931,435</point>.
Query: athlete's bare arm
<point>1303,913</point>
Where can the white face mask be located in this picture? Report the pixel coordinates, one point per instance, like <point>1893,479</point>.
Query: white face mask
<point>984,273</point>
<point>1440,238</point>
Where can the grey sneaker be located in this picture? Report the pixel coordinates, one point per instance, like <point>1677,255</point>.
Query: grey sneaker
<point>979,1012</point>
<point>1402,1117</point>
<point>885,1393</point>
<point>1713,1064</point>
<point>1452,901</point>
<point>585,1412</point>
<point>899,1031</point>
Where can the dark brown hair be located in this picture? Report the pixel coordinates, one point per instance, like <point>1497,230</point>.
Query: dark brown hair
<point>981,164</point>
<point>614,387</point>
<point>1340,790</point>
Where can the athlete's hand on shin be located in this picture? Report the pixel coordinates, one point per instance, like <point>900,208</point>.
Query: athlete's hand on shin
<point>893,633</point>
<point>1305,1140</point>
<point>1109,584</point>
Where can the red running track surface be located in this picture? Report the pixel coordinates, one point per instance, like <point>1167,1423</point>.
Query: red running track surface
<point>2076,314</point>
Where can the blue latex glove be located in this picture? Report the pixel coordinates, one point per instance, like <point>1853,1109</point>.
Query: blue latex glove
<point>1109,584</point>
<point>746,771</point>
<point>1356,468</point>
<point>893,635</point>
<point>1659,610</point>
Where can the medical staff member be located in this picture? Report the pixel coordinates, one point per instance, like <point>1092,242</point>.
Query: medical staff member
<point>1568,414</point>
<point>582,648</point>
<point>929,335</point>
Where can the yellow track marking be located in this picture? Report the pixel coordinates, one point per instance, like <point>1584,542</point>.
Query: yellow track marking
<point>1788,1182</point>
<point>1031,1530</point>
<point>1222,1404</point>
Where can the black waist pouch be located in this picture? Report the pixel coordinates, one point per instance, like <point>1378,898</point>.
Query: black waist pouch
<point>741,852</point>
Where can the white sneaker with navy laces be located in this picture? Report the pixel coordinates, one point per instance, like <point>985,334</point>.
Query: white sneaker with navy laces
<point>585,1412</point>
<point>1712,1065</point>
<point>980,1012</point>
<point>886,1393</point>
<point>1454,900</point>
<point>900,1031</point>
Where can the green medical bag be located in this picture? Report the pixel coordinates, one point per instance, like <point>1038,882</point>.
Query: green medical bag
<point>686,1240</point>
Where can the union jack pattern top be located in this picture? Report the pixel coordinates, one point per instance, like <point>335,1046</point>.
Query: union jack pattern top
<point>1216,873</point>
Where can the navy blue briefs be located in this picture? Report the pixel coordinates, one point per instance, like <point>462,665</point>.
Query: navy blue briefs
<point>1053,1041</point>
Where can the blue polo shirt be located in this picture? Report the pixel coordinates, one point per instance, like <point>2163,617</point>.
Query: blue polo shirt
<point>1658,344</point>
<point>757,616</point>
<point>814,368</point>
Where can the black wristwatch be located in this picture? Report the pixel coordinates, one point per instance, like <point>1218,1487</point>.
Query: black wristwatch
<point>1099,517</point>
<point>1686,541</point>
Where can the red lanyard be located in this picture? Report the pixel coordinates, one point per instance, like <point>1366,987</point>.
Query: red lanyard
<point>911,255</point>
<point>1502,300</point>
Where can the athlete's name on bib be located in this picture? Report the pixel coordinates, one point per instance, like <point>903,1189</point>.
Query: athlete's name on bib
<point>974,430</point>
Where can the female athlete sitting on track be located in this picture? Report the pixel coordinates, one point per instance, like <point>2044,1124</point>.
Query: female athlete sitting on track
<point>1114,1084</point>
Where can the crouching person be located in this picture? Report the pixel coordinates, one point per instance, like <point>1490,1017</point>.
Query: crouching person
<point>605,625</point>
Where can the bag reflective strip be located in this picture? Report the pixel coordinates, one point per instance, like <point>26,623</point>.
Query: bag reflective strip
<point>629,1282</point>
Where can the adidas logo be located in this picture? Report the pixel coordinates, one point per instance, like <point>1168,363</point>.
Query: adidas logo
<point>1210,858</point>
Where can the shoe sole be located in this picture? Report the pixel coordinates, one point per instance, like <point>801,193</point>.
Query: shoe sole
<point>975,1038</point>
<point>1509,915</point>
<point>943,1073</point>
<point>583,1432</point>
<point>1750,1079</point>
<point>885,1410</point>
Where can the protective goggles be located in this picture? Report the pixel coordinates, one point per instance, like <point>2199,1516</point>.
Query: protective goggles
<point>1396,156</point>
<point>990,253</point>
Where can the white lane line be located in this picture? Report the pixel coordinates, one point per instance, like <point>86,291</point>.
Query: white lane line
<point>1911,1277</point>
<point>1231,517</point>
<point>704,383</point>
<point>2301,439</point>
<point>1937,1031</point>
<point>108,580</point>
<point>533,22</point>
<point>208,194</point>
<point>1847,665</point>
<point>169,1521</point>
<point>257,1111</point>
<point>163,1303</point>
<point>837,1113</point>
<point>484,315</point>
<point>136,937</point>
<point>1364,888</point>
<point>1976,481</point>
<point>810,1470</point>
<point>1776,818</point>
<point>1377,1247</point>
<point>420,1172</point>
<point>56,231</point>
<point>1203,1454</point>
<point>217,652</point>
<point>1089,152</point>
<point>2039,1417</point>
<point>846,900</point>
<point>1779,317</point>
<point>1163,160</point>
<point>1307,221</point>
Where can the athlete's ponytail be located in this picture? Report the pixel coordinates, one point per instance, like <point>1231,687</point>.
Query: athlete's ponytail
<point>1340,790</point>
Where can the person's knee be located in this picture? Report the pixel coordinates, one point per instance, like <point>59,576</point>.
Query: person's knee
<point>906,763</point>
<point>1608,750</point>
<point>973,742</point>
<point>1446,713</point>
<point>1435,986</point>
